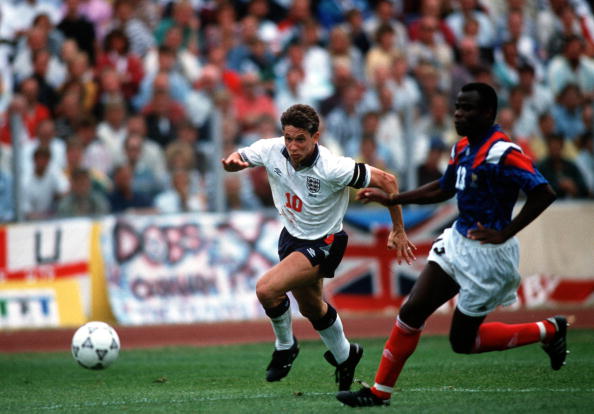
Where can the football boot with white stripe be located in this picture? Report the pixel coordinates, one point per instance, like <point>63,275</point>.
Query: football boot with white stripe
<point>345,372</point>
<point>362,398</point>
<point>281,363</point>
<point>556,348</point>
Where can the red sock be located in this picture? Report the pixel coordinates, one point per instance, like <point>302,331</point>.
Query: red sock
<point>497,336</point>
<point>400,345</point>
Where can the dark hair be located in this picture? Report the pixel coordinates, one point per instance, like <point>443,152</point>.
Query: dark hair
<point>487,95</point>
<point>301,116</point>
<point>116,34</point>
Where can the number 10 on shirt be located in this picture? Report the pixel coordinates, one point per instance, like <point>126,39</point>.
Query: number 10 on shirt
<point>294,202</point>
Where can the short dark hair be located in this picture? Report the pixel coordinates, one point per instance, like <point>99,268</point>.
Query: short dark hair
<point>487,95</point>
<point>301,116</point>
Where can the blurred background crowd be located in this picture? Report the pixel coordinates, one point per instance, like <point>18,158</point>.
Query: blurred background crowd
<point>119,105</point>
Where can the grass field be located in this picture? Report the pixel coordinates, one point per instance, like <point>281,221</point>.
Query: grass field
<point>229,379</point>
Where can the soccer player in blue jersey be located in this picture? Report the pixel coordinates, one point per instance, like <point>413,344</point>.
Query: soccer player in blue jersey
<point>310,187</point>
<point>477,258</point>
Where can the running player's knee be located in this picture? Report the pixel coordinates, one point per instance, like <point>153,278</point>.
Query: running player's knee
<point>265,293</point>
<point>412,313</point>
<point>461,345</point>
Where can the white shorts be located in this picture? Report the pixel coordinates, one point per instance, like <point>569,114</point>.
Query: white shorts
<point>486,273</point>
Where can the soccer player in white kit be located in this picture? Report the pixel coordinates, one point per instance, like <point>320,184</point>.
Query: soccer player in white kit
<point>310,190</point>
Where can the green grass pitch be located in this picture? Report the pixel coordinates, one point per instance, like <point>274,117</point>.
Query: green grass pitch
<point>230,379</point>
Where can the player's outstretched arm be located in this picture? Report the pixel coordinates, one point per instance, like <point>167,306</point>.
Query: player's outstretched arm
<point>537,201</point>
<point>234,162</point>
<point>398,240</point>
<point>429,193</point>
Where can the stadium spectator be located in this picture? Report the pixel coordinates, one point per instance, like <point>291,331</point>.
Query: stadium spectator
<point>99,13</point>
<point>433,167</point>
<point>187,24</point>
<point>404,87</point>
<point>563,174</point>
<point>477,258</point>
<point>37,39</point>
<point>163,113</point>
<point>585,160</point>
<point>309,253</point>
<point>382,50</point>
<point>341,49</point>
<point>75,25</point>
<point>343,123</point>
<point>82,200</point>
<point>185,62</point>
<point>69,113</point>
<point>147,179</point>
<point>43,186</point>
<point>568,112</point>
<point>180,198</point>
<point>291,91</point>
<point>384,14</point>
<point>252,103</point>
<point>45,137</point>
<point>137,31</point>
<point>470,10</point>
<point>572,66</point>
<point>354,26</point>
<point>112,130</point>
<point>116,55</point>
<point>536,95</point>
<point>6,195</point>
<point>435,9</point>
<point>438,123</point>
<point>124,198</point>
<point>81,77</point>
<point>33,112</point>
<point>74,161</point>
<point>430,48</point>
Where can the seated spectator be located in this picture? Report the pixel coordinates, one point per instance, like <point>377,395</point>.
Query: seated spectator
<point>43,187</point>
<point>252,103</point>
<point>562,173</point>
<point>163,113</point>
<point>145,177</point>
<point>112,130</point>
<point>82,200</point>
<point>6,198</point>
<point>180,197</point>
<point>124,198</point>
<point>585,159</point>
<point>116,55</point>
<point>433,167</point>
<point>568,113</point>
<point>74,161</point>
<point>45,137</point>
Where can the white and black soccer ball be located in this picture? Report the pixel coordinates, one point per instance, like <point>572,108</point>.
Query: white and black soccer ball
<point>95,345</point>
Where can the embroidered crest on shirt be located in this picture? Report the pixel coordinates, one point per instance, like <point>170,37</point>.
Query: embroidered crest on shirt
<point>313,184</point>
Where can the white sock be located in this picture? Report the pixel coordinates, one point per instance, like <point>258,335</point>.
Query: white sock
<point>336,341</point>
<point>283,330</point>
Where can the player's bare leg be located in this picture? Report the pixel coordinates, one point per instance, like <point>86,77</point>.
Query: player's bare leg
<point>292,272</point>
<point>343,355</point>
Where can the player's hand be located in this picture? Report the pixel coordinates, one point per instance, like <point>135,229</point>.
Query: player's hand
<point>234,163</point>
<point>367,195</point>
<point>397,240</point>
<point>486,235</point>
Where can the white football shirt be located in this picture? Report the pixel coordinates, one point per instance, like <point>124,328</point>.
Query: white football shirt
<point>312,200</point>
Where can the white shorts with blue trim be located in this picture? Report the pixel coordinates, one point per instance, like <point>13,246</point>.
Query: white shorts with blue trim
<point>486,273</point>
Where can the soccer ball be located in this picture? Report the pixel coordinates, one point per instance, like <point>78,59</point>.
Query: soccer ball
<point>95,345</point>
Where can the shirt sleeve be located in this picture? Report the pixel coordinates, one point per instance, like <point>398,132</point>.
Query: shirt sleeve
<point>345,171</point>
<point>518,167</point>
<point>256,154</point>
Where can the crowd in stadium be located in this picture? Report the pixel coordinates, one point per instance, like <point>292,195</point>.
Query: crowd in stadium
<point>114,100</point>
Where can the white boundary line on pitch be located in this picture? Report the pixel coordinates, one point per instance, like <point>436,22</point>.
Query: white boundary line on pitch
<point>305,394</point>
